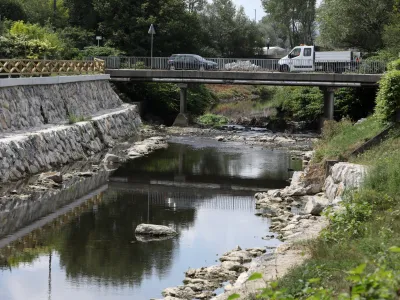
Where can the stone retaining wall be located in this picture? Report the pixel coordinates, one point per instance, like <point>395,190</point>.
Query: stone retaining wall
<point>27,106</point>
<point>33,152</point>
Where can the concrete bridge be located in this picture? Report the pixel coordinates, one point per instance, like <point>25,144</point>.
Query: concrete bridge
<point>327,82</point>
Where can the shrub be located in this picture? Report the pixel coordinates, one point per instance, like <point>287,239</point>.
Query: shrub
<point>358,208</point>
<point>354,103</point>
<point>394,65</point>
<point>299,103</point>
<point>94,51</point>
<point>212,120</point>
<point>388,99</point>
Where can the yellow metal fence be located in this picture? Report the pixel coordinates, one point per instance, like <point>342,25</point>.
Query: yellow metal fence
<point>27,67</point>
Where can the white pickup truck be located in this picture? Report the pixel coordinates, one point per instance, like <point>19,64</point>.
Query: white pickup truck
<point>307,59</point>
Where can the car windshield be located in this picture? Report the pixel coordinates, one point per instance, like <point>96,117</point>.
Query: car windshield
<point>199,58</point>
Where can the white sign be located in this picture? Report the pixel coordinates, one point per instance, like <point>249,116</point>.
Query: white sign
<point>99,38</point>
<point>152,30</point>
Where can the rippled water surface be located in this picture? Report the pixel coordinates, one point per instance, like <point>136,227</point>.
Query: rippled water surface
<point>204,192</point>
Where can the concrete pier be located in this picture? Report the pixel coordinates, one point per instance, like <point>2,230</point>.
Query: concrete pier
<point>182,119</point>
<point>329,103</point>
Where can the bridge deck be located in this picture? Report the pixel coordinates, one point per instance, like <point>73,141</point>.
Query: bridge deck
<point>243,77</point>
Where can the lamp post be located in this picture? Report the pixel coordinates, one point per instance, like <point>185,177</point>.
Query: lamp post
<point>152,32</point>
<point>98,38</point>
<point>268,40</point>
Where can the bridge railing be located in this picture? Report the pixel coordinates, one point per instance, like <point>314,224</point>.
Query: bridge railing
<point>250,65</point>
<point>28,67</point>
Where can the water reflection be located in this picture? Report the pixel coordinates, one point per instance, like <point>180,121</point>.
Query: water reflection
<point>91,252</point>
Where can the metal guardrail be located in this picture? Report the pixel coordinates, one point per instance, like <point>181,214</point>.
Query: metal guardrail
<point>27,67</point>
<point>250,65</point>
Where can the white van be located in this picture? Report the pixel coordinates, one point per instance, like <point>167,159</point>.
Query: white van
<point>307,59</point>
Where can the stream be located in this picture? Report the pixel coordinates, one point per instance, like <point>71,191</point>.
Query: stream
<point>201,188</point>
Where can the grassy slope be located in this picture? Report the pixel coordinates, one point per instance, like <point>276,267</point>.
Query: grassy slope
<point>340,139</point>
<point>371,222</point>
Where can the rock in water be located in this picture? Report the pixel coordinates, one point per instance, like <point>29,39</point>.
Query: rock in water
<point>152,238</point>
<point>154,230</point>
<point>111,159</point>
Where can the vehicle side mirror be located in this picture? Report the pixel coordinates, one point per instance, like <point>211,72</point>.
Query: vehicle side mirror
<point>290,55</point>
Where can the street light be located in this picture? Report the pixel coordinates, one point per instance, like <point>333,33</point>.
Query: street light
<point>152,32</point>
<point>268,40</point>
<point>98,38</point>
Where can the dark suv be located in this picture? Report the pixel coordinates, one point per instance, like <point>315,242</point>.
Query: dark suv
<point>190,62</point>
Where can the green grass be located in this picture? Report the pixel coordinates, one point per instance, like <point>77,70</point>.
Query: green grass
<point>369,224</point>
<point>340,139</point>
<point>331,261</point>
<point>72,119</point>
<point>386,149</point>
<point>212,120</point>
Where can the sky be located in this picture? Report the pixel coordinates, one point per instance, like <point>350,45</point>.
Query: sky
<point>251,5</point>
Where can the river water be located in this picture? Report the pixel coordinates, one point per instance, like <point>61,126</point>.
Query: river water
<point>204,192</point>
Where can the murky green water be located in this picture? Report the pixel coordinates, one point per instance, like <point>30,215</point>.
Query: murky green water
<point>204,192</point>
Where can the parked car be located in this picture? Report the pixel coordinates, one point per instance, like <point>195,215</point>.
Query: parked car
<point>190,62</point>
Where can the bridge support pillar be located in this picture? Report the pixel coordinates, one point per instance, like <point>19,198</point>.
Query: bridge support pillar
<point>182,119</point>
<point>329,100</point>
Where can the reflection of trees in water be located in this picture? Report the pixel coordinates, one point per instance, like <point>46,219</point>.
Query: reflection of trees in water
<point>180,158</point>
<point>100,245</point>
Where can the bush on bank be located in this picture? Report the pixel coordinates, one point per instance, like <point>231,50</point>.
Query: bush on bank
<point>388,99</point>
<point>212,120</point>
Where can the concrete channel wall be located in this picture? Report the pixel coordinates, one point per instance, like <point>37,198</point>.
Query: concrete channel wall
<point>35,135</point>
<point>31,102</point>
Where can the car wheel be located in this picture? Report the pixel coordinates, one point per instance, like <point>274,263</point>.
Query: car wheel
<point>286,68</point>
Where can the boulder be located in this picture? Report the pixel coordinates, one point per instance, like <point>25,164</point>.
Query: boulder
<point>181,292</point>
<point>351,175</point>
<point>111,159</point>
<point>240,256</point>
<point>315,205</point>
<point>343,176</point>
<point>55,176</point>
<point>154,230</point>
<point>152,238</point>
<point>233,266</point>
<point>215,273</point>
<point>297,178</point>
<point>206,284</point>
<point>220,138</point>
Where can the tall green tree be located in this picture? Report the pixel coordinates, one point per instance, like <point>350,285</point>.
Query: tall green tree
<point>11,10</point>
<point>274,31</point>
<point>360,24</point>
<point>296,16</point>
<point>195,5</point>
<point>82,14</point>
<point>391,32</point>
<point>229,32</point>
<point>126,23</point>
<point>42,12</point>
